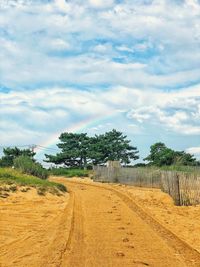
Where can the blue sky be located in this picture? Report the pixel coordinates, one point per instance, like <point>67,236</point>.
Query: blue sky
<point>133,64</point>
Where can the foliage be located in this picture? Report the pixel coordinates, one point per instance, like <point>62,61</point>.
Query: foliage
<point>112,146</point>
<point>11,153</point>
<point>27,165</point>
<point>183,158</point>
<point>14,177</point>
<point>160,155</point>
<point>69,172</point>
<point>74,150</point>
<point>79,150</point>
<point>139,165</point>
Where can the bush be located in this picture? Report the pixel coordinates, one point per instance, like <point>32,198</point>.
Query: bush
<point>28,166</point>
<point>69,172</point>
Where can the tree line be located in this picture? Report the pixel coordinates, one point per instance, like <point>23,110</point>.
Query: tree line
<point>78,150</point>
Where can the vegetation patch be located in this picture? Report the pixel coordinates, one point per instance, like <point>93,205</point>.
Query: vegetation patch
<point>177,168</point>
<point>78,150</point>
<point>10,179</point>
<point>27,165</point>
<point>160,155</point>
<point>69,172</point>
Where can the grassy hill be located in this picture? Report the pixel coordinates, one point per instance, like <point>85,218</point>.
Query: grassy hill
<point>11,180</point>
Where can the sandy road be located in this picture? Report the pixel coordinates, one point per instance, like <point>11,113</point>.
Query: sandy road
<point>107,231</point>
<point>96,225</point>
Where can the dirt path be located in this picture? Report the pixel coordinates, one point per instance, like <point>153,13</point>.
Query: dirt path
<point>107,231</point>
<point>96,225</point>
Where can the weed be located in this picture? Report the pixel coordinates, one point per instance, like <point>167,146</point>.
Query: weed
<point>13,188</point>
<point>25,189</point>
<point>41,191</point>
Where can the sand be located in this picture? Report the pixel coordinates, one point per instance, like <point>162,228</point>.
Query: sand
<point>97,225</point>
<point>183,221</point>
<point>28,225</point>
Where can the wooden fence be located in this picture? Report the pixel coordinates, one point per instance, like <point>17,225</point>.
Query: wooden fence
<point>183,187</point>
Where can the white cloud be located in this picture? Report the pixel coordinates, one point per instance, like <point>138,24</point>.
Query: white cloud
<point>59,44</point>
<point>101,3</point>
<point>62,5</point>
<point>125,48</point>
<point>130,108</point>
<point>177,111</point>
<point>167,31</point>
<point>16,134</point>
<point>193,150</point>
<point>103,48</point>
<point>68,60</point>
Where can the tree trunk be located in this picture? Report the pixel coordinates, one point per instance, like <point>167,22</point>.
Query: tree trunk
<point>85,163</point>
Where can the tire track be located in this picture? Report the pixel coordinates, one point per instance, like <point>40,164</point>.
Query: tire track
<point>189,254</point>
<point>62,237</point>
<point>75,241</point>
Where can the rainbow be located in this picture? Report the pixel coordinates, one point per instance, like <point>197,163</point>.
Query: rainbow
<point>74,128</point>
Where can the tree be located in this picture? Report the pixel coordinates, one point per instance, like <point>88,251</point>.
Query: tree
<point>11,153</point>
<point>113,145</point>
<point>79,150</point>
<point>74,150</point>
<point>183,158</point>
<point>160,155</point>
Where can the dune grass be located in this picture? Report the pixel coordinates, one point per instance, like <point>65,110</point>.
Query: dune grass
<point>13,177</point>
<point>177,168</point>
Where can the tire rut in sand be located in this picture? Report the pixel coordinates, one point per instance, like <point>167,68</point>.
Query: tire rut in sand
<point>189,254</point>
<point>185,251</point>
<point>62,237</point>
<point>74,252</point>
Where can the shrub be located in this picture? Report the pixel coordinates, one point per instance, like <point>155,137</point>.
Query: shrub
<point>27,165</point>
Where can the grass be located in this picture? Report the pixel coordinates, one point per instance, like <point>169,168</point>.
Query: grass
<point>69,172</point>
<point>13,178</point>
<point>177,168</point>
<point>29,166</point>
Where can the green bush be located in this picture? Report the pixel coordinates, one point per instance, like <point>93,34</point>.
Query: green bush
<point>69,172</point>
<point>27,165</point>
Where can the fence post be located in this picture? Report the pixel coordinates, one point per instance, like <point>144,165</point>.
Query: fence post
<point>177,190</point>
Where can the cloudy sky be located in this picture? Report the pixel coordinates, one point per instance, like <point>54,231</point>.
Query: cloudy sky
<point>95,65</point>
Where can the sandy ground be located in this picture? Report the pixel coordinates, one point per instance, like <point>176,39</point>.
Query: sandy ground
<point>97,225</point>
<point>107,231</point>
<point>183,221</point>
<point>28,227</point>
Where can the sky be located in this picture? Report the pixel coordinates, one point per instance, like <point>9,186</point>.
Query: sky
<point>94,65</point>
